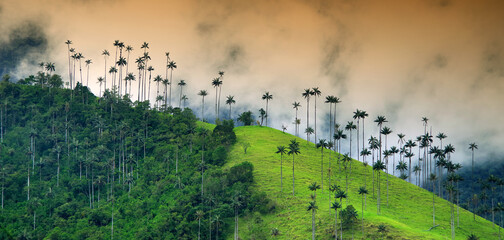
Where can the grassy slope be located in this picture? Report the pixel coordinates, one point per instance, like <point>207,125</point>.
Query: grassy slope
<point>407,216</point>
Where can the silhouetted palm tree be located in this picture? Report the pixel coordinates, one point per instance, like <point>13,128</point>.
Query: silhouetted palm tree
<point>171,65</point>
<point>322,144</point>
<point>379,166</point>
<point>293,150</point>
<point>349,127</point>
<point>313,207</point>
<point>216,82</point>
<point>316,93</point>
<point>230,101</point>
<point>68,42</point>
<point>296,106</point>
<point>472,147</point>
<point>203,94</point>
<point>105,54</point>
<point>307,93</point>
<point>267,96</point>
<point>379,121</point>
<point>309,131</point>
<point>281,150</point>
<point>100,81</point>
<point>357,115</point>
<point>181,84</point>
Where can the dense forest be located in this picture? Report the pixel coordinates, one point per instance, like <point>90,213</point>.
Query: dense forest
<point>74,166</point>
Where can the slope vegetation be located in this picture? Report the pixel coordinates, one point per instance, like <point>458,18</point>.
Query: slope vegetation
<point>407,214</point>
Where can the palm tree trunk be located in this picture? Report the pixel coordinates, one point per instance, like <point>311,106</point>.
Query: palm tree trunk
<point>313,224</point>
<point>281,172</point>
<point>293,175</point>
<point>315,118</point>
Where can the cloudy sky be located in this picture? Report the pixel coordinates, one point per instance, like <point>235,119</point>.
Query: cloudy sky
<point>442,59</point>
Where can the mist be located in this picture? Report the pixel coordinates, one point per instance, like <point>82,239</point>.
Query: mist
<point>438,59</point>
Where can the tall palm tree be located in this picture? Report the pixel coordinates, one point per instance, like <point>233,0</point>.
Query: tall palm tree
<point>293,150</point>
<point>472,146</point>
<point>68,42</point>
<point>379,166</point>
<point>349,127</point>
<point>150,69</point>
<point>357,115</point>
<point>322,144</point>
<point>393,150</point>
<point>158,79</point>
<point>181,84</point>
<point>336,101</point>
<point>105,54</point>
<point>281,150</point>
<point>88,62</point>
<point>307,93</point>
<point>338,136</point>
<point>379,121</point>
<point>316,93</point>
<point>410,144</point>
<point>171,65</point>
<point>330,100</point>
<point>100,81</point>
<point>79,58</point>
<point>166,82</point>
<point>401,142</point>
<point>363,192</point>
<point>221,78</point>
<point>121,63</point>
<point>335,206</point>
<point>296,106</point>
<point>363,115</point>
<point>267,96</point>
<point>341,194</point>
<point>203,94</point>
<point>313,207</point>
<point>309,131</point>
<point>216,82</point>
<point>230,100</point>
<point>441,136</point>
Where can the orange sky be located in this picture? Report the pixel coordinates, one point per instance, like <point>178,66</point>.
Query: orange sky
<point>443,59</point>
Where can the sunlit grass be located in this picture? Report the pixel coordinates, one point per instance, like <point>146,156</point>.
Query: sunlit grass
<point>408,214</point>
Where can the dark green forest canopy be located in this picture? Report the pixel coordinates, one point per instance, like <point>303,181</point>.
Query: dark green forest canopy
<point>74,165</point>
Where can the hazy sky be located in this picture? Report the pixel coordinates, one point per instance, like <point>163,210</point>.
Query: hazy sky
<point>443,59</point>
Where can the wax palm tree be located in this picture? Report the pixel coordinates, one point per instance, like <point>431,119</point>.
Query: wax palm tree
<point>441,136</point>
<point>363,115</point>
<point>230,101</point>
<point>166,82</point>
<point>150,69</point>
<point>322,144</point>
<point>379,166</point>
<point>158,79</point>
<point>316,93</point>
<point>181,84</point>
<point>340,194</point>
<point>296,106</point>
<point>402,167</point>
<point>472,147</point>
<point>363,192</point>
<point>88,62</point>
<point>307,93</point>
<point>386,131</point>
<point>416,170</point>
<point>79,58</point>
<point>336,101</point>
<point>105,54</point>
<point>364,153</point>
<point>100,81</point>
<point>379,121</point>
<point>357,116</point>
<point>130,77</point>
<point>221,78</point>
<point>140,61</point>
<point>171,65</point>
<point>309,131</point>
<point>314,187</point>
<point>293,150</point>
<point>349,127</point>
<point>347,164</point>
<point>216,82</point>
<point>335,206</point>
<point>49,66</point>
<point>401,142</point>
<point>281,150</point>
<point>330,100</point>
<point>338,136</point>
<point>68,42</point>
<point>313,207</point>
<point>267,96</point>
<point>410,144</point>
<point>203,94</point>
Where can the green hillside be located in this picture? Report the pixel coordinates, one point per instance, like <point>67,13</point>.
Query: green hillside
<point>408,214</point>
